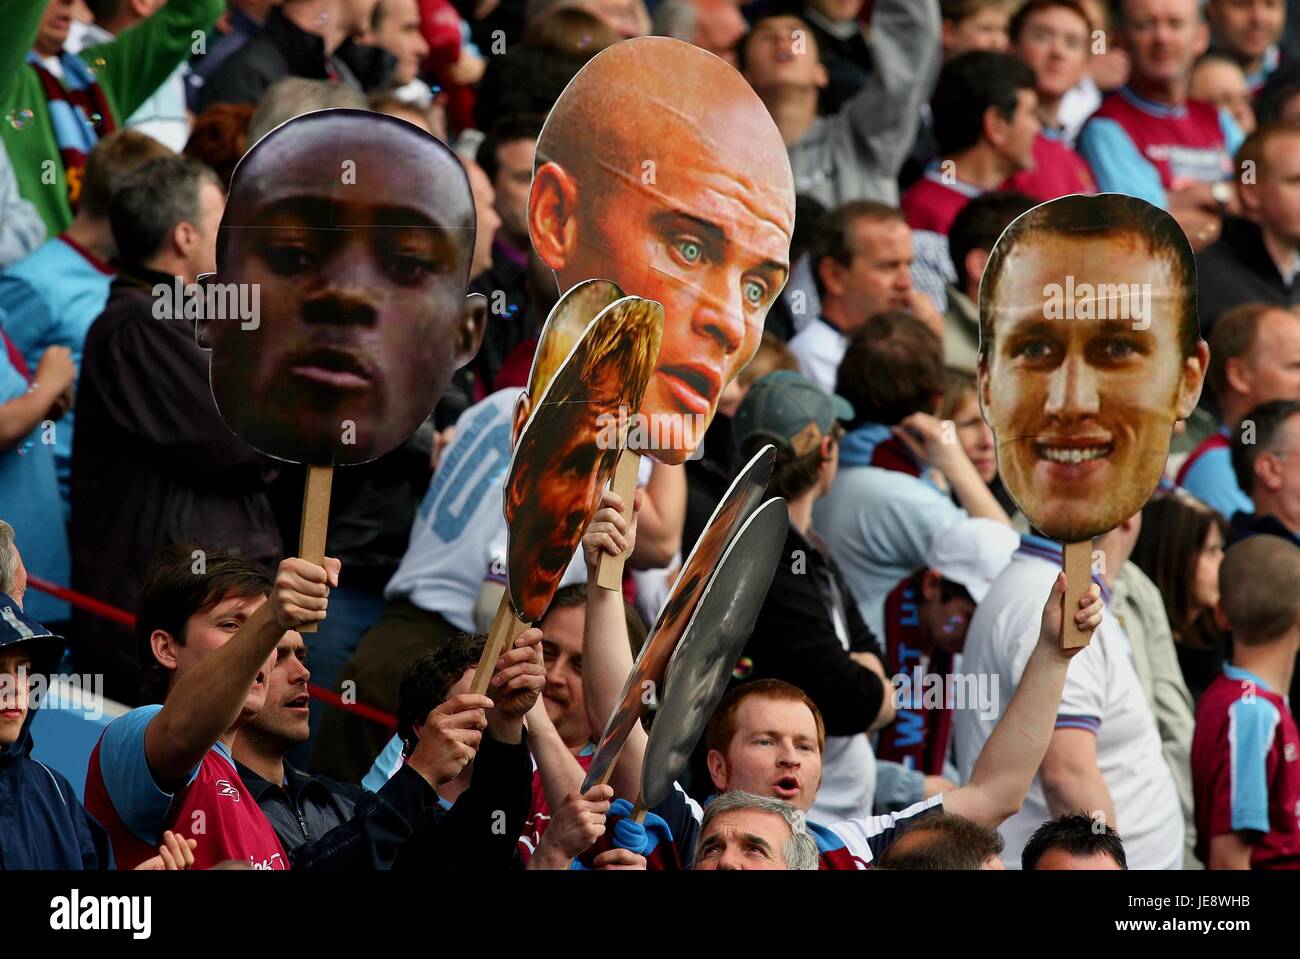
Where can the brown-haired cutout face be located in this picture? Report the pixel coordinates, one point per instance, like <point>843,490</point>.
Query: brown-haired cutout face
<point>1087,373</point>
<point>660,169</point>
<point>356,231</point>
<point>569,447</point>
<point>563,327</point>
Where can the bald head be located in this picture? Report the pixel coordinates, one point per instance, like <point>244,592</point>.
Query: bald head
<point>635,102</point>
<point>342,157</point>
<point>660,170</point>
<point>1257,588</point>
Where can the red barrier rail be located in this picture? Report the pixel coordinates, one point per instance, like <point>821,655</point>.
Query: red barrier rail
<point>122,617</point>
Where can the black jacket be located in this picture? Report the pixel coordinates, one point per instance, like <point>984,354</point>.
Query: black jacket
<point>42,823</point>
<point>795,639</point>
<point>328,825</point>
<point>154,465</point>
<point>482,829</point>
<point>1237,269</point>
<point>283,49</point>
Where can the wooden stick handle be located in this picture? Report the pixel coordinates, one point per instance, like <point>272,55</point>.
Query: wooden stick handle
<point>639,810</point>
<point>1077,561</point>
<point>609,571</point>
<point>609,770</point>
<point>506,627</point>
<point>315,520</point>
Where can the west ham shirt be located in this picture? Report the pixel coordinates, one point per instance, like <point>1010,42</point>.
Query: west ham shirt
<point>213,807</point>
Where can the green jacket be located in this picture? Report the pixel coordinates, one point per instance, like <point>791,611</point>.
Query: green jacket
<point>135,65</point>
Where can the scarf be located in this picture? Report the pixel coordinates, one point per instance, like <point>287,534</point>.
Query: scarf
<point>918,738</point>
<point>72,103</point>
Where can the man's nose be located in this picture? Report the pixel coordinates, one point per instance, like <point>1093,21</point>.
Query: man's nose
<point>903,279</point>
<point>718,315</point>
<point>349,292</point>
<point>730,860</point>
<point>299,672</point>
<point>1072,390</point>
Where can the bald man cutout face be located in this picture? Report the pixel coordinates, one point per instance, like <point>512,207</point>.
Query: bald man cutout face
<point>660,170</point>
<point>357,230</point>
<point>1089,353</point>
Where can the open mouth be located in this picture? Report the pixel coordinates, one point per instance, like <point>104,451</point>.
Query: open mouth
<point>694,387</point>
<point>1073,452</point>
<point>342,369</point>
<point>786,788</point>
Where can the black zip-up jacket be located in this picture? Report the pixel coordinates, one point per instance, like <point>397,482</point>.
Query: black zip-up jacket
<point>283,49</point>
<point>327,825</point>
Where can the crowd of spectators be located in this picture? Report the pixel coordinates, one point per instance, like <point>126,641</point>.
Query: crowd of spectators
<point>917,131</point>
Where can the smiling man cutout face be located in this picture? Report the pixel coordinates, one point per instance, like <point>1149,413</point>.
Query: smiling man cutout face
<point>356,231</point>
<point>1090,351</point>
<point>660,169</point>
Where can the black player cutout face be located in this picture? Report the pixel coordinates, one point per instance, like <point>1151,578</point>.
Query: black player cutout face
<point>355,230</point>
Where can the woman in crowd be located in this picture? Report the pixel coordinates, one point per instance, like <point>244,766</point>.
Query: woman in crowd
<point>1180,548</point>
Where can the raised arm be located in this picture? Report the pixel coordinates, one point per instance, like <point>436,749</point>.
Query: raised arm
<point>606,655</point>
<point>662,515</point>
<point>137,62</point>
<point>884,115</point>
<point>207,700</point>
<point>21,19</point>
<point>1006,765</point>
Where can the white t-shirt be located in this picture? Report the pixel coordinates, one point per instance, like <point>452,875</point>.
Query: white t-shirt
<point>1102,693</point>
<point>819,347</point>
<point>458,540</point>
<point>848,788</point>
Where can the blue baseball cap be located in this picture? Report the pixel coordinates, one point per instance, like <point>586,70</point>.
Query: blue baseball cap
<point>16,627</point>
<point>789,411</point>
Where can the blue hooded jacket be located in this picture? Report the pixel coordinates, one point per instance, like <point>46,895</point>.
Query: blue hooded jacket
<point>42,823</point>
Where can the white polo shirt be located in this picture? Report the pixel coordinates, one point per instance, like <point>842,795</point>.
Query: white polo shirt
<point>819,348</point>
<point>1102,694</point>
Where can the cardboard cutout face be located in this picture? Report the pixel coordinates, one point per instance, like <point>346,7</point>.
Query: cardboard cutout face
<point>563,327</point>
<point>1090,351</point>
<point>703,661</point>
<point>352,233</point>
<point>660,169</point>
<point>741,500</point>
<point>569,446</point>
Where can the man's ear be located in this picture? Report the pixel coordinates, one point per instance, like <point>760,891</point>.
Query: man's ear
<point>1270,472</point>
<point>994,126</point>
<point>717,769</point>
<point>982,382</point>
<point>473,322</point>
<point>930,586</point>
<point>831,272</point>
<point>183,237</point>
<point>1189,390</point>
<point>1202,42</point>
<point>552,215</point>
<point>1234,371</point>
<point>523,409</point>
<point>164,648</point>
